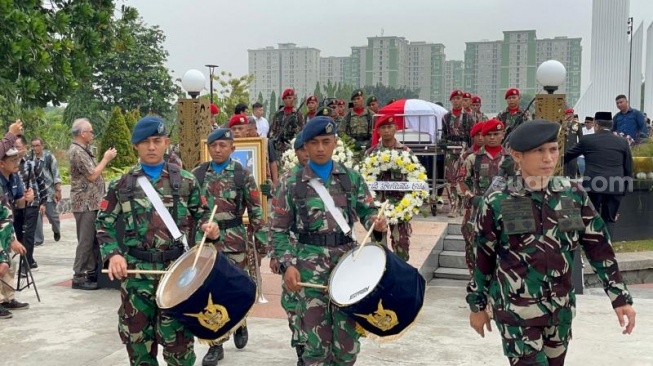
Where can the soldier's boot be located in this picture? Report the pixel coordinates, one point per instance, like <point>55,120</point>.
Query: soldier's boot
<point>215,354</point>
<point>241,337</point>
<point>300,353</point>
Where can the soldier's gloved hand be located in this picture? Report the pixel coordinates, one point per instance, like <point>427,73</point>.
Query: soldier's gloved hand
<point>266,189</point>
<point>211,230</point>
<point>291,278</point>
<point>117,267</point>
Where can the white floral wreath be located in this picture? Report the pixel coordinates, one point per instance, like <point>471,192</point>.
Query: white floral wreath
<point>341,154</point>
<point>398,161</point>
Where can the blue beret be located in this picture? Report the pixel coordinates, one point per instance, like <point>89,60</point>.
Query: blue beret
<point>533,134</point>
<point>318,126</point>
<point>299,141</point>
<point>148,126</point>
<point>220,134</point>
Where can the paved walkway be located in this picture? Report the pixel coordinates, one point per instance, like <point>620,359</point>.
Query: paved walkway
<point>78,328</point>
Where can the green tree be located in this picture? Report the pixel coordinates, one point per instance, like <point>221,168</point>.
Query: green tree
<point>134,75</point>
<point>525,100</point>
<point>273,106</point>
<point>330,89</point>
<point>233,90</point>
<point>120,138</point>
<point>84,104</point>
<point>318,92</point>
<point>131,117</point>
<point>47,47</point>
<point>384,93</point>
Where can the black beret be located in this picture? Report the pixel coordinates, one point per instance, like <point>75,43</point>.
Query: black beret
<point>603,116</point>
<point>588,118</point>
<point>319,126</point>
<point>356,93</point>
<point>148,126</point>
<point>371,99</point>
<point>299,141</point>
<point>533,134</point>
<point>220,134</point>
<point>324,111</point>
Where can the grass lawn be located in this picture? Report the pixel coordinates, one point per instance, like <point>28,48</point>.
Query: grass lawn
<point>633,246</point>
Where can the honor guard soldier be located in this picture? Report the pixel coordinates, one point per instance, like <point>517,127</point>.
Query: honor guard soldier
<point>232,188</point>
<point>513,115</point>
<point>526,235</point>
<point>340,113</point>
<point>399,233</point>
<point>467,102</point>
<point>289,300</point>
<point>358,122</point>
<point>286,123</point>
<point>300,205</point>
<point>476,113</point>
<point>311,105</point>
<point>152,241</point>
<point>573,133</point>
<point>372,104</point>
<point>481,168</point>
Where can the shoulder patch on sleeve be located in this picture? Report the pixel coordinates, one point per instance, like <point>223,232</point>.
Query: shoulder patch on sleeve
<point>104,204</point>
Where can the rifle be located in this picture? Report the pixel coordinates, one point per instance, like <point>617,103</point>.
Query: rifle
<point>510,129</point>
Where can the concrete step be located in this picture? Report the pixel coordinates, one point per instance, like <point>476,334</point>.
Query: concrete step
<point>451,274</point>
<point>451,259</point>
<point>454,229</point>
<point>448,282</point>
<point>454,243</point>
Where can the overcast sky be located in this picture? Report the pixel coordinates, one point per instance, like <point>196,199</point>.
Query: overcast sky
<point>203,32</point>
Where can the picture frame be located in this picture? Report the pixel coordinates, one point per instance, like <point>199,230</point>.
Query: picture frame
<point>252,152</point>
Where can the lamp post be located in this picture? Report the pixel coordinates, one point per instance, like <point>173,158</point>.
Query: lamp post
<point>211,70</point>
<point>630,58</point>
<point>194,116</point>
<point>550,106</point>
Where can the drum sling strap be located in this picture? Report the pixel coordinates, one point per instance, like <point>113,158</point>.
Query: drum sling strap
<point>301,190</point>
<point>171,225</point>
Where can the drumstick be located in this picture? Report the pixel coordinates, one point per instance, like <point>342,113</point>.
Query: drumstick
<point>369,232</point>
<point>312,285</point>
<point>199,250</point>
<point>142,271</point>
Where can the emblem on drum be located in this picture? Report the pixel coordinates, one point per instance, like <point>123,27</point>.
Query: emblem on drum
<point>381,318</point>
<point>214,316</point>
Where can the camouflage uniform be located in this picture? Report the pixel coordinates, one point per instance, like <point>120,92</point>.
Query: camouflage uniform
<point>513,120</point>
<point>455,131</point>
<point>480,168</point>
<point>141,324</point>
<point>478,116</point>
<point>359,127</point>
<point>331,337</point>
<point>339,122</point>
<point>7,234</point>
<point>284,128</point>
<point>573,133</point>
<point>399,233</point>
<point>524,246</point>
<point>289,300</point>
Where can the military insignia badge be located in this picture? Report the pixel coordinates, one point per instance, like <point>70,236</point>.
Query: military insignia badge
<point>227,134</point>
<point>242,120</point>
<point>214,316</point>
<point>328,128</point>
<point>325,112</point>
<point>161,127</point>
<point>390,119</point>
<point>499,127</point>
<point>382,318</point>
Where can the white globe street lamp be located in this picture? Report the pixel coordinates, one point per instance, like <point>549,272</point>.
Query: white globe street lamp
<point>193,82</point>
<point>551,74</point>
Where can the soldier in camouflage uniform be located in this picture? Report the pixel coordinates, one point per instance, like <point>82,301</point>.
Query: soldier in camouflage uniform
<point>481,168</point>
<point>289,300</point>
<point>331,337</point>
<point>513,115</point>
<point>573,133</point>
<point>232,188</point>
<point>149,245</point>
<point>467,102</point>
<point>399,233</point>
<point>476,113</point>
<point>527,232</point>
<point>372,104</point>
<point>311,106</point>
<point>456,127</point>
<point>358,122</point>
<point>340,114</point>
<point>286,123</point>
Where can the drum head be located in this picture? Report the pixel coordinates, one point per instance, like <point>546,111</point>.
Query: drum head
<point>352,280</point>
<point>182,280</point>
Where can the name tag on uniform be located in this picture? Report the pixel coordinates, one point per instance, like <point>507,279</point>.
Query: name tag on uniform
<point>517,213</point>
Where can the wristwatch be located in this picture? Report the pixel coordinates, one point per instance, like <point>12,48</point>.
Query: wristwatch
<point>283,266</point>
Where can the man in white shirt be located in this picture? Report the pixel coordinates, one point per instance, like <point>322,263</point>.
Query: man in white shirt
<point>262,125</point>
<point>588,129</point>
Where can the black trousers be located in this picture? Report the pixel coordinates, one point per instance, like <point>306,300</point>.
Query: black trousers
<point>25,220</point>
<point>607,205</point>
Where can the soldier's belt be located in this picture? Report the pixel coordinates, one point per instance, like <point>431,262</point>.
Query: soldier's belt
<point>228,224</point>
<point>325,240</point>
<point>159,256</point>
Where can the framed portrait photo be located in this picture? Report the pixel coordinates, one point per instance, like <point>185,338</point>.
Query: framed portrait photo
<point>252,153</point>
